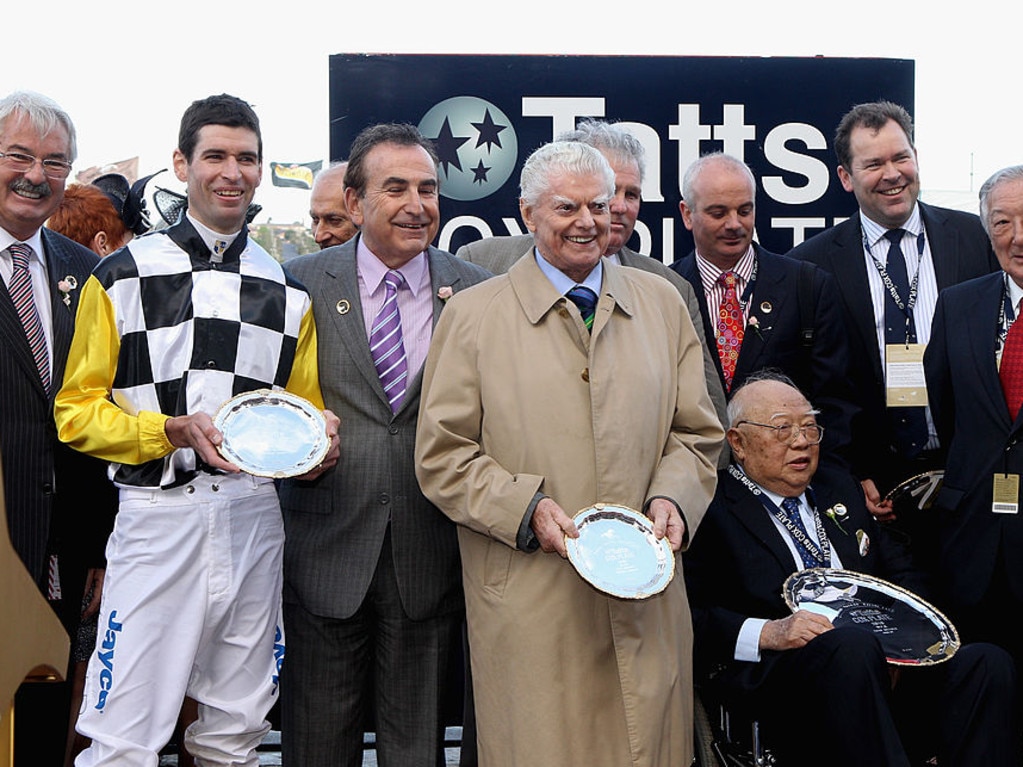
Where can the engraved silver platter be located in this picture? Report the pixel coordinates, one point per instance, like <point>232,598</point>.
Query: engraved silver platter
<point>916,493</point>
<point>272,433</point>
<point>616,552</point>
<point>912,632</point>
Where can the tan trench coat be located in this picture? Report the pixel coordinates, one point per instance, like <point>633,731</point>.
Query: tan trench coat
<point>519,398</point>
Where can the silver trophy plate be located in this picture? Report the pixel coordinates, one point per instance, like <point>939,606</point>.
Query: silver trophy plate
<point>616,552</point>
<point>272,433</point>
<point>912,632</point>
<point>916,493</point>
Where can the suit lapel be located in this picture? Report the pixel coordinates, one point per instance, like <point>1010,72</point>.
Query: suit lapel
<point>751,514</point>
<point>58,266</point>
<point>847,264</point>
<point>770,289</point>
<point>442,275</point>
<point>686,266</point>
<point>339,288</point>
<point>943,242</point>
<point>843,539</point>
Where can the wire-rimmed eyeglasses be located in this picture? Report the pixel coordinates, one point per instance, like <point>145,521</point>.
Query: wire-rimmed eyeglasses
<point>788,433</point>
<point>22,163</point>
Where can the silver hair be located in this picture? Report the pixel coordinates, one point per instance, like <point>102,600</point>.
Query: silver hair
<point>611,139</point>
<point>699,165</point>
<point>43,113</point>
<point>562,157</point>
<point>1003,176</point>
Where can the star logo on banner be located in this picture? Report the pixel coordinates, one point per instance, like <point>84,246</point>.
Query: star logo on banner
<point>447,146</point>
<point>476,144</point>
<point>480,173</point>
<point>489,132</point>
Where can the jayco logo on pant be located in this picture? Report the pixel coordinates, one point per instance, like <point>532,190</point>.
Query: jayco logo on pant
<point>278,658</point>
<point>106,657</point>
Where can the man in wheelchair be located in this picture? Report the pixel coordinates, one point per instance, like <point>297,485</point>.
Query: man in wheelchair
<point>821,694</point>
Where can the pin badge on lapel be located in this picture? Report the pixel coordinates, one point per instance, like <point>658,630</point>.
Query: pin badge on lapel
<point>343,306</point>
<point>766,307</point>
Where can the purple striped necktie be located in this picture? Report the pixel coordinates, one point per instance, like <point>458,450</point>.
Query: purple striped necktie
<point>22,297</point>
<point>386,346</point>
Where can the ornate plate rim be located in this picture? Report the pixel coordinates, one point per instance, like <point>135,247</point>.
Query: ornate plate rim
<point>581,519</point>
<point>886,587</point>
<point>317,452</point>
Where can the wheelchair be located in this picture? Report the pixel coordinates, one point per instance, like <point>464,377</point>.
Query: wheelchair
<point>724,739</point>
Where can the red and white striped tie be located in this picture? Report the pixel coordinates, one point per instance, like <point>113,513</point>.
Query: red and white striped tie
<point>20,289</point>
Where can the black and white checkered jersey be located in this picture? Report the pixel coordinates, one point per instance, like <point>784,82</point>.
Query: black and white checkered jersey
<point>195,332</point>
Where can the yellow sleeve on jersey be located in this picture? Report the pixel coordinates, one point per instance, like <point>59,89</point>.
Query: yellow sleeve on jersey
<point>305,378</point>
<point>87,419</point>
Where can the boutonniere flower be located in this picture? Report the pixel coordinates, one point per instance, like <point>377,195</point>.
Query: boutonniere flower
<point>65,286</point>
<point>838,514</point>
<point>445,293</point>
<point>754,322</point>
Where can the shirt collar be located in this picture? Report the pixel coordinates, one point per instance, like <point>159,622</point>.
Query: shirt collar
<point>874,232</point>
<point>373,270</point>
<point>743,268</point>
<point>209,236</point>
<point>1015,292</point>
<point>35,242</point>
<point>563,283</point>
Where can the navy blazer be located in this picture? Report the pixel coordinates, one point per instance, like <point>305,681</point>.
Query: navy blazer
<point>820,370</point>
<point>57,499</point>
<point>973,422</point>
<point>738,562</point>
<point>960,250</point>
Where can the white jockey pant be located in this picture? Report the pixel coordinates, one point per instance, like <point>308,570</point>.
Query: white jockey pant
<point>191,606</point>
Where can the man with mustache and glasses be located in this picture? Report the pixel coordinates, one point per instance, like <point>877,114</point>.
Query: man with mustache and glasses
<point>56,538</point>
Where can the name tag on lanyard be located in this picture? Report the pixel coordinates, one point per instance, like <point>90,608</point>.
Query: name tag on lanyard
<point>1005,495</point>
<point>905,384</point>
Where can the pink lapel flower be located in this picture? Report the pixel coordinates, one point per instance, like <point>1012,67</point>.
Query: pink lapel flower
<point>445,293</point>
<point>754,322</point>
<point>65,286</point>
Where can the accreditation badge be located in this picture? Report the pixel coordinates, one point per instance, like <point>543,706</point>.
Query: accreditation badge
<point>1005,494</point>
<point>904,375</point>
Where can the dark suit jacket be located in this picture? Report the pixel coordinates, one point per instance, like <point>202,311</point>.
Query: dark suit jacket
<point>57,499</point>
<point>973,422</point>
<point>738,562</point>
<point>335,525</point>
<point>960,250</point>
<point>820,370</point>
<point>497,254</point>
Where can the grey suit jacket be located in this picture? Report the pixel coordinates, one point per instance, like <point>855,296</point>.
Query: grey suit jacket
<point>497,254</point>
<point>52,491</point>
<point>335,525</point>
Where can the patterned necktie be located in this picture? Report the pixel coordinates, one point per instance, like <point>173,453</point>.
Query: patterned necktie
<point>386,346</point>
<point>791,506</point>
<point>909,424</point>
<point>1010,372</point>
<point>586,300</point>
<point>730,327</point>
<point>20,289</point>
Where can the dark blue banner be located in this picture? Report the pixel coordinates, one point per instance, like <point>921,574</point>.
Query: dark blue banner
<point>488,113</point>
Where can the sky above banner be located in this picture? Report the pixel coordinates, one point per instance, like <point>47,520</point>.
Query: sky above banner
<point>126,71</point>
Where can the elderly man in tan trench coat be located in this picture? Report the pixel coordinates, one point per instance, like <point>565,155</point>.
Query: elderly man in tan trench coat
<point>528,416</point>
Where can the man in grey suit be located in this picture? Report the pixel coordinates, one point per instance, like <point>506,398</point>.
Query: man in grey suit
<point>373,594</point>
<point>625,155</point>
